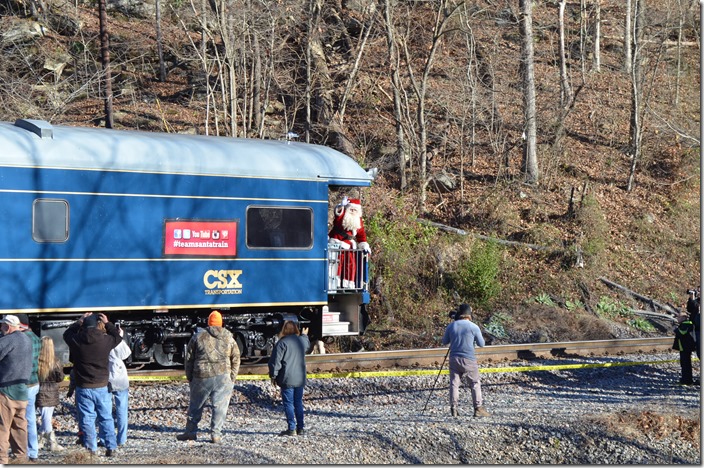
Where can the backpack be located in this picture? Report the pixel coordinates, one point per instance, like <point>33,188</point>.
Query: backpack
<point>684,337</point>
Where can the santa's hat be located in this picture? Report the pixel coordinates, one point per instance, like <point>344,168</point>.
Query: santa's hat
<point>355,201</point>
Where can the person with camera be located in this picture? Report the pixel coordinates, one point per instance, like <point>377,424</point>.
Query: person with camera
<point>89,345</point>
<point>119,386</point>
<point>462,335</point>
<point>687,337</point>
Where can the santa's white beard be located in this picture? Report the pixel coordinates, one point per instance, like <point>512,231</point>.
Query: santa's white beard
<point>351,222</point>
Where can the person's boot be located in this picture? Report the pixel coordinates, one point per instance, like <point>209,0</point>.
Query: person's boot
<point>40,440</point>
<point>454,412</point>
<point>53,443</point>
<point>480,412</point>
<point>187,436</point>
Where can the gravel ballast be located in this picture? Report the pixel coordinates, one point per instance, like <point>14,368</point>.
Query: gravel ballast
<point>624,414</point>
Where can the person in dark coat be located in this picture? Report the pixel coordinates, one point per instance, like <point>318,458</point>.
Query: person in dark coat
<point>687,338</point>
<point>51,373</point>
<point>90,348</point>
<point>287,369</point>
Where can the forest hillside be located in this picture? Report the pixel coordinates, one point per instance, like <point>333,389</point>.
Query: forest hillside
<point>532,156</point>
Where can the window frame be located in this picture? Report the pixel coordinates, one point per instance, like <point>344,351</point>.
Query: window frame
<point>67,220</point>
<point>281,207</point>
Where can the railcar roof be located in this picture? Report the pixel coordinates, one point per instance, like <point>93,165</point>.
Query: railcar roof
<point>36,143</point>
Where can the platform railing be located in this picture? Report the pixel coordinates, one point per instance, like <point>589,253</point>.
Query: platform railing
<point>348,270</point>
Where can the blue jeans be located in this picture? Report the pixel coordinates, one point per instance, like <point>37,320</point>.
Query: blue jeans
<point>292,398</point>
<point>121,404</point>
<point>92,404</point>
<point>47,413</point>
<point>31,415</point>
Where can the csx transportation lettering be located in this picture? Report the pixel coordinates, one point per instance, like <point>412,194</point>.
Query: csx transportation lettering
<point>222,282</point>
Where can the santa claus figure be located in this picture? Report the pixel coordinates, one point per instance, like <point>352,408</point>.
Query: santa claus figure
<point>348,233</point>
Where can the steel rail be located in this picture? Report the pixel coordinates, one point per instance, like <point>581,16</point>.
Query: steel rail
<point>431,357</point>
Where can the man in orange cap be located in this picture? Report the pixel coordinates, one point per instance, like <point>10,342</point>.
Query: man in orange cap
<point>212,363</point>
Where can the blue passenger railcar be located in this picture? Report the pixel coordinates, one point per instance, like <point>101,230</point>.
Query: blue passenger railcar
<point>157,230</point>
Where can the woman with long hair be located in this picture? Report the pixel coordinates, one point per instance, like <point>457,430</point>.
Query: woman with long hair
<point>51,372</point>
<point>287,369</point>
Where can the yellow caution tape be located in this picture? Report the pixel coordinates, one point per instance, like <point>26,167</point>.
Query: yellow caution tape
<point>406,373</point>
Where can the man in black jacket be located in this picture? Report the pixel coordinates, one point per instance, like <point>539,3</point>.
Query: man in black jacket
<point>90,344</point>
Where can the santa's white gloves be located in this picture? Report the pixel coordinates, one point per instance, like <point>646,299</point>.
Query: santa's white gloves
<point>345,201</point>
<point>365,247</point>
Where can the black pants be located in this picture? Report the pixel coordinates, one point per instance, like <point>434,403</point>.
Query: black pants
<point>686,365</point>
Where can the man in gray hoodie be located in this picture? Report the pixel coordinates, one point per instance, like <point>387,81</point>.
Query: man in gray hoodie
<point>15,370</point>
<point>462,335</point>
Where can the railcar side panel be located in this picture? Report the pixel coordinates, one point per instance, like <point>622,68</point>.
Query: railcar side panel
<point>157,230</point>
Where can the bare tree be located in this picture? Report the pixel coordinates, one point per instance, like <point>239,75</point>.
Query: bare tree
<point>627,34</point>
<point>529,164</point>
<point>597,35</point>
<point>395,64</point>
<point>566,94</point>
<point>159,41</point>
<point>636,78</point>
<point>105,60</point>
<point>444,11</point>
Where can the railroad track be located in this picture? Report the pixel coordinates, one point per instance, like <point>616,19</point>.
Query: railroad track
<point>433,357</point>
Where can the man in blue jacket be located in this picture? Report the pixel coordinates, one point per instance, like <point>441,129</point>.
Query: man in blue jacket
<point>462,335</point>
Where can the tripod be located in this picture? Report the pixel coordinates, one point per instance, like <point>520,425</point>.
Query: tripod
<point>436,380</point>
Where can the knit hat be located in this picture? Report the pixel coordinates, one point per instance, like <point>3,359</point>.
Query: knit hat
<point>91,321</point>
<point>464,311</point>
<point>215,319</point>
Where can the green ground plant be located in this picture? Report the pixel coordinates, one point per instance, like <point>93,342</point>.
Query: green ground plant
<point>476,277</point>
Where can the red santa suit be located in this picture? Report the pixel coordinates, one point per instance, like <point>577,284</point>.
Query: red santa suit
<point>348,233</point>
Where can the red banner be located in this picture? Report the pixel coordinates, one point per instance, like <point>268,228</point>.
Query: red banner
<point>201,238</point>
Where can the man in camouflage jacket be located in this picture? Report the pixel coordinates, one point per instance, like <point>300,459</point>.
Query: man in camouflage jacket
<point>212,363</point>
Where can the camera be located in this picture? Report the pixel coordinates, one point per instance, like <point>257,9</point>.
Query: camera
<point>452,314</point>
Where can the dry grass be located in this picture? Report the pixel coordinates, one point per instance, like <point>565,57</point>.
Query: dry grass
<point>660,426</point>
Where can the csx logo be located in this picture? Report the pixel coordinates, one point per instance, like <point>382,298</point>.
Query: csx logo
<point>224,279</point>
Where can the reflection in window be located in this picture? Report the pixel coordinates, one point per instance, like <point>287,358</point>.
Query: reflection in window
<point>50,220</point>
<point>279,227</point>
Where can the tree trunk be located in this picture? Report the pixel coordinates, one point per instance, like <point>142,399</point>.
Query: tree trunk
<point>530,157</point>
<point>636,124</point>
<point>597,35</point>
<point>159,41</point>
<point>394,65</point>
<point>105,59</point>
<point>627,34</point>
<point>565,88</point>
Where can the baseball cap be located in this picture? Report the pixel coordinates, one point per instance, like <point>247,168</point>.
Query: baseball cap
<point>91,321</point>
<point>11,320</point>
<point>24,320</point>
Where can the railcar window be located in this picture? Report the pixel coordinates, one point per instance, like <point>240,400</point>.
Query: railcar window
<point>50,220</point>
<point>279,227</point>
